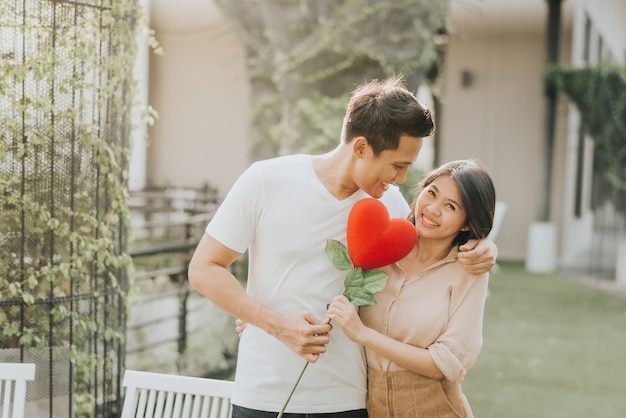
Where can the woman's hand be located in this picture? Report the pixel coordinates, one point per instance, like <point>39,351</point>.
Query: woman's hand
<point>345,314</point>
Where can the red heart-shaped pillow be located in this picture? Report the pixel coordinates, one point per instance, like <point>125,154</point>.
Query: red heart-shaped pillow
<point>375,240</point>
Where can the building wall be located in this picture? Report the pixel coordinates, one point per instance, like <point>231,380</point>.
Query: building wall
<point>607,17</point>
<point>199,87</point>
<point>499,117</point>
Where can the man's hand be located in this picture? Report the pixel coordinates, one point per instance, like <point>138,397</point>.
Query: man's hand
<point>478,257</point>
<point>240,326</point>
<point>303,333</point>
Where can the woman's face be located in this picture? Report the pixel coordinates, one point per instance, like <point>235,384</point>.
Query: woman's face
<point>439,211</point>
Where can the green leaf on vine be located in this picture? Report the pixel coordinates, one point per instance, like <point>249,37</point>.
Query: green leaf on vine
<point>338,254</point>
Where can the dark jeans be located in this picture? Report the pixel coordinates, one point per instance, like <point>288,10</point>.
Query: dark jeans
<point>241,412</point>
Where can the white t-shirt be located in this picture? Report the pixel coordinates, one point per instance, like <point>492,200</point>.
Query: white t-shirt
<point>280,211</point>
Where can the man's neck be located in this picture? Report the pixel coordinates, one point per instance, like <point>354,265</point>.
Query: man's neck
<point>334,171</point>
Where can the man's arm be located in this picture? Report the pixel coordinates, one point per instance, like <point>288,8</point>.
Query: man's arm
<point>209,275</point>
<point>478,257</point>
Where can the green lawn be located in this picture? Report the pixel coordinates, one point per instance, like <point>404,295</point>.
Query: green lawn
<point>553,347</point>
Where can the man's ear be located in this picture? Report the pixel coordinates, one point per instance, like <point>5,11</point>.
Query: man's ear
<point>359,146</point>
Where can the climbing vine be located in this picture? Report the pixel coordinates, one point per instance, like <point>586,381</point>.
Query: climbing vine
<point>599,93</point>
<point>66,95</point>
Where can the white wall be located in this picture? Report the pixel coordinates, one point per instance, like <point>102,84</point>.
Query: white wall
<point>199,87</point>
<point>499,117</point>
<point>609,20</point>
<point>608,17</point>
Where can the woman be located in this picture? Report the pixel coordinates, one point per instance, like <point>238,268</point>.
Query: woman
<point>425,331</point>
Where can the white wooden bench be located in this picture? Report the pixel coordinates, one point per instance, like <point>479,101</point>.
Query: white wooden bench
<point>160,395</point>
<point>13,378</point>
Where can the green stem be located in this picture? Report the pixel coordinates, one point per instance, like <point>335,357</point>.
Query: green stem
<point>292,390</point>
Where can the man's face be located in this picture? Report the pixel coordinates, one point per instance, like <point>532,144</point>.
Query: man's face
<point>374,174</point>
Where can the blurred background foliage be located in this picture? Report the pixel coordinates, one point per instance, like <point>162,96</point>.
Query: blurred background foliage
<point>599,93</point>
<point>304,57</point>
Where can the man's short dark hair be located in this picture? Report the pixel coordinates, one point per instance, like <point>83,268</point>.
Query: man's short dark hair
<point>382,112</point>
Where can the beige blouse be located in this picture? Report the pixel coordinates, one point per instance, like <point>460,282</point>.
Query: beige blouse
<point>441,309</point>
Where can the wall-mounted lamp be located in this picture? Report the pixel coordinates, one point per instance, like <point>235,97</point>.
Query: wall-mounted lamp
<point>467,78</point>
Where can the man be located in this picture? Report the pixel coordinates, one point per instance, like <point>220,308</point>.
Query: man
<point>283,211</point>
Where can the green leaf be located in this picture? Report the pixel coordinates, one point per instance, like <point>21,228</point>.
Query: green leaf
<point>361,298</point>
<point>360,286</point>
<point>338,254</point>
<point>10,330</point>
<point>352,283</point>
<point>28,298</point>
<point>374,281</point>
<point>26,340</point>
